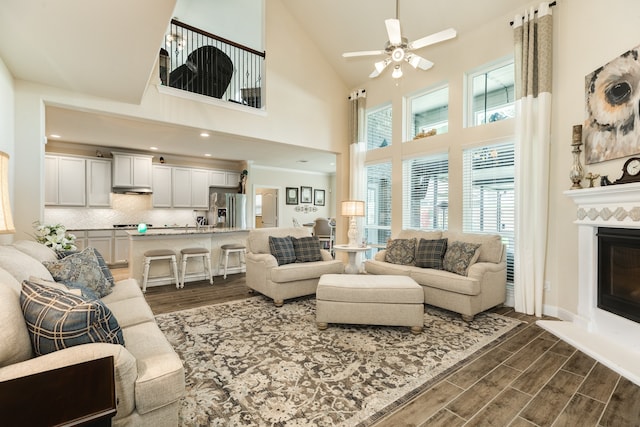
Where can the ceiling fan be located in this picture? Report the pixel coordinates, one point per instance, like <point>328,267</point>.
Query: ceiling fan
<point>399,49</point>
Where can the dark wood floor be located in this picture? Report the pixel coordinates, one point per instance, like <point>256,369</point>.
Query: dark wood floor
<point>530,379</point>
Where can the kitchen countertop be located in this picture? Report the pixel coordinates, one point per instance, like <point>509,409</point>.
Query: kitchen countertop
<point>183,231</point>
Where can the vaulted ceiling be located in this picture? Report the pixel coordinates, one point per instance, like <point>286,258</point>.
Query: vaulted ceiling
<point>83,46</point>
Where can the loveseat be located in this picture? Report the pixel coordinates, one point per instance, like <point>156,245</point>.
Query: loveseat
<point>281,281</point>
<point>475,282</point>
<point>149,376</point>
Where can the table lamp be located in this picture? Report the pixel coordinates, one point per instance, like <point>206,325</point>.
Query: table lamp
<point>352,209</point>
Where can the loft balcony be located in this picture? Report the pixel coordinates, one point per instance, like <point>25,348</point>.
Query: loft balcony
<point>199,62</point>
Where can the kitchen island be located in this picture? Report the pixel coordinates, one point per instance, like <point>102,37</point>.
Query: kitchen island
<point>176,239</point>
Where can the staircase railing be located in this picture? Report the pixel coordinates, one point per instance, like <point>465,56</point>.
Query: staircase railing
<point>199,62</point>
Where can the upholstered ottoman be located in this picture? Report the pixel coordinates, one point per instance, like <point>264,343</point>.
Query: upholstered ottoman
<point>368,299</point>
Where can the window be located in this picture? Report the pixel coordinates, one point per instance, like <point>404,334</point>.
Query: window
<point>491,93</point>
<point>379,127</point>
<point>488,194</point>
<point>428,111</point>
<point>377,224</point>
<point>425,192</point>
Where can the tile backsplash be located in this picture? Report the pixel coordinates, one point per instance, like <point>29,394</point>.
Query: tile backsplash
<point>125,209</point>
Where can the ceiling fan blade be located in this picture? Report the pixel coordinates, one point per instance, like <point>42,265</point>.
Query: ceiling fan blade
<point>362,53</point>
<point>393,31</point>
<point>433,39</point>
<point>417,61</point>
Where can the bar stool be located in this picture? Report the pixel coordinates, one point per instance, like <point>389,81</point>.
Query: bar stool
<point>231,248</point>
<point>187,253</point>
<point>157,255</point>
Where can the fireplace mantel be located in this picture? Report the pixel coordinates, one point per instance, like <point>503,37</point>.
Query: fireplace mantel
<point>612,340</point>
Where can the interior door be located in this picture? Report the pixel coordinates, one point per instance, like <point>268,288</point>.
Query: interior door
<point>269,207</point>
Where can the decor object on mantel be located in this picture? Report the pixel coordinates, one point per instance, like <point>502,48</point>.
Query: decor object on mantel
<point>242,370</point>
<point>352,209</point>
<point>630,171</point>
<point>591,177</point>
<point>576,173</point>
<point>6,220</point>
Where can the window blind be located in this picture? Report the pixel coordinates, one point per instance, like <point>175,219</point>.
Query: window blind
<point>425,192</point>
<point>377,225</point>
<point>488,194</point>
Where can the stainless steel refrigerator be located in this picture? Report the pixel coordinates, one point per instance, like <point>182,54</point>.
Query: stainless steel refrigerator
<point>236,210</point>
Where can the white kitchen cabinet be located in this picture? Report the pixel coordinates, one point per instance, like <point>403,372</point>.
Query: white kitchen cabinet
<point>218,178</point>
<point>66,181</point>
<point>181,187</point>
<point>102,240</point>
<point>81,239</point>
<point>199,189</point>
<point>98,183</point>
<point>162,189</point>
<point>232,179</point>
<point>120,247</point>
<point>131,170</point>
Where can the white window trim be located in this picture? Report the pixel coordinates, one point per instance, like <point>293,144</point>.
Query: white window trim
<point>407,111</point>
<point>468,85</point>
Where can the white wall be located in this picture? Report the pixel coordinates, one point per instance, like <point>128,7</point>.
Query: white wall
<point>7,126</point>
<point>306,106</point>
<point>282,178</point>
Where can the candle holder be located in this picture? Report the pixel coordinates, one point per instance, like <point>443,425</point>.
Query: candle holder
<point>576,173</point>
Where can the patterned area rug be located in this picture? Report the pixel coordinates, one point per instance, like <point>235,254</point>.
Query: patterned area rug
<point>249,363</point>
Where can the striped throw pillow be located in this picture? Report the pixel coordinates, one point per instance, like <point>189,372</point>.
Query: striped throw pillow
<point>430,253</point>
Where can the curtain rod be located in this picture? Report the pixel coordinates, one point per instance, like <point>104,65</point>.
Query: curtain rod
<point>553,3</point>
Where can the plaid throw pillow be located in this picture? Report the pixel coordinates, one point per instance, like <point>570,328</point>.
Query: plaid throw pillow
<point>56,319</point>
<point>307,249</point>
<point>282,249</point>
<point>401,251</point>
<point>460,256</point>
<point>81,268</point>
<point>430,253</point>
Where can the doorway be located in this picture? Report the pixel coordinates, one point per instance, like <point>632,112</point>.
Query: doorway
<point>266,207</point>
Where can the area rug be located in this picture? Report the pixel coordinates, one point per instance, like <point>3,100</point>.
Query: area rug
<point>248,363</point>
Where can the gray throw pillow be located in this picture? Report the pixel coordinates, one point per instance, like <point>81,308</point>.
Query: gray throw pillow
<point>282,249</point>
<point>401,251</point>
<point>460,256</point>
<point>307,249</point>
<point>430,253</point>
<point>82,268</point>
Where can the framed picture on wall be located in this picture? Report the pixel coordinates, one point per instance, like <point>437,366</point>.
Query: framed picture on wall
<point>292,196</point>
<point>318,197</point>
<point>306,195</point>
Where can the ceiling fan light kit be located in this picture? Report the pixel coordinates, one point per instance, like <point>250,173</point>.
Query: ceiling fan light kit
<point>399,49</point>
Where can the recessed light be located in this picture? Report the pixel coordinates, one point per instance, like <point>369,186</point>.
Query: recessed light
<point>204,134</point>
<point>153,148</point>
<point>207,155</point>
<point>303,161</point>
<point>332,164</point>
<point>53,135</point>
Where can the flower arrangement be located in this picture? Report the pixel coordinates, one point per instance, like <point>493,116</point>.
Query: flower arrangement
<point>55,237</point>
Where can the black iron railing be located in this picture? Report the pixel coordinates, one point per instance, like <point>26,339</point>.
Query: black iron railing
<point>203,63</point>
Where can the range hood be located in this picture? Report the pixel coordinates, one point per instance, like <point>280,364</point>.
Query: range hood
<point>132,190</point>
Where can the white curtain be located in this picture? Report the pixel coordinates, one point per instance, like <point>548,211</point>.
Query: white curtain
<point>533,57</point>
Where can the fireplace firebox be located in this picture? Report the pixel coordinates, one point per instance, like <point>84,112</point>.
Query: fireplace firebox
<point>619,271</point>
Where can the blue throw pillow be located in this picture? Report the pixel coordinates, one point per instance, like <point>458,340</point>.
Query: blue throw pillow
<point>56,319</point>
<point>282,249</point>
<point>101,262</point>
<point>82,268</point>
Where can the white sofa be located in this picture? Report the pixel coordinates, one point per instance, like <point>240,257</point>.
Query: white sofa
<point>281,282</point>
<point>482,288</point>
<point>149,376</point>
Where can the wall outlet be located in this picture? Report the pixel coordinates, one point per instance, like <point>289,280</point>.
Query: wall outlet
<point>547,285</point>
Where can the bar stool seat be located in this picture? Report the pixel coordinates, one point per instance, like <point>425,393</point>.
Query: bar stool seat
<point>158,255</point>
<point>187,253</point>
<point>232,248</point>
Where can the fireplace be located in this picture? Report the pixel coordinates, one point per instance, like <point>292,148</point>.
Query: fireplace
<point>618,271</point>
<point>606,322</point>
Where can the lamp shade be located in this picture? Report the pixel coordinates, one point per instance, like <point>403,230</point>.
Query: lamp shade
<point>352,208</point>
<point>6,220</point>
